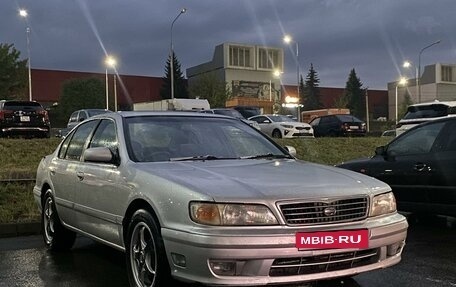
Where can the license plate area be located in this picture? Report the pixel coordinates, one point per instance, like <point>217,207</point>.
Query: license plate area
<point>333,239</point>
<point>25,118</point>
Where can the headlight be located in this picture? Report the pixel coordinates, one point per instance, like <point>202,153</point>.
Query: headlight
<point>383,204</point>
<point>231,214</point>
<point>287,126</point>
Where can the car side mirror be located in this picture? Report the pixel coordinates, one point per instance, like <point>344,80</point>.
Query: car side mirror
<point>99,154</point>
<point>291,150</point>
<point>380,150</point>
<point>81,119</point>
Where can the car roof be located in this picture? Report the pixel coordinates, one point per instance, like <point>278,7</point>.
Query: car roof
<point>448,103</point>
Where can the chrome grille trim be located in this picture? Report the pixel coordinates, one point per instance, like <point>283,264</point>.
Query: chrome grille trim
<point>323,263</point>
<point>312,212</point>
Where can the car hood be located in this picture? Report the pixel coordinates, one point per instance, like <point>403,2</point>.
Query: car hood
<point>264,179</point>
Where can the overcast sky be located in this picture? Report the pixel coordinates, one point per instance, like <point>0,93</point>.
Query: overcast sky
<point>372,36</point>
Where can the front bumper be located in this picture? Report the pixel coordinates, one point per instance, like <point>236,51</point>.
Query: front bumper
<point>257,257</point>
<point>292,133</point>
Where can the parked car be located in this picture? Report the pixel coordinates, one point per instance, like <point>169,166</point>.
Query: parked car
<point>424,112</point>
<point>280,126</point>
<point>79,116</point>
<point>338,125</point>
<point>205,198</point>
<point>419,165</point>
<point>248,111</point>
<point>25,118</point>
<point>231,113</point>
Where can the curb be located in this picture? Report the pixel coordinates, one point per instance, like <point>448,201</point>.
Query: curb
<point>19,229</point>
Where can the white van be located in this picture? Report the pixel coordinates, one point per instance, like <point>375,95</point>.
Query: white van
<point>423,112</point>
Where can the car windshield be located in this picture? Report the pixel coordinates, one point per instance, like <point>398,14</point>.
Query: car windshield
<point>96,112</point>
<point>175,138</point>
<point>280,118</point>
<point>231,113</point>
<point>349,118</point>
<point>430,111</point>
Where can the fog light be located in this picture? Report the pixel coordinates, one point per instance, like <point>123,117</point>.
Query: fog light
<point>394,249</point>
<point>224,268</point>
<point>179,260</point>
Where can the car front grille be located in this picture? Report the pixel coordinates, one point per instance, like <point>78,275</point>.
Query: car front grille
<point>323,263</point>
<point>303,128</point>
<point>323,212</point>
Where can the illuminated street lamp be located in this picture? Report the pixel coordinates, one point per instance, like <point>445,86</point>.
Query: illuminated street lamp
<point>402,82</point>
<point>23,13</point>
<point>172,52</point>
<point>419,68</point>
<point>110,63</point>
<point>288,40</point>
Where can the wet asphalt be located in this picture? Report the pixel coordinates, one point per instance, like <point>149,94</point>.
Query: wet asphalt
<point>429,260</point>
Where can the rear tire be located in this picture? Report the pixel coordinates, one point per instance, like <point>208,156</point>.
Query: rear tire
<point>56,236</point>
<point>147,264</point>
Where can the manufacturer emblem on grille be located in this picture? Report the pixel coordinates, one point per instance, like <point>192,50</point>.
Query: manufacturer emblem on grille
<point>330,211</point>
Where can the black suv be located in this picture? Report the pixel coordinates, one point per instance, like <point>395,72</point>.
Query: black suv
<point>26,118</point>
<point>338,125</point>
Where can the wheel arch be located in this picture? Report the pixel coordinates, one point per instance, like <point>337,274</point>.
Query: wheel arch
<point>46,186</point>
<point>132,208</point>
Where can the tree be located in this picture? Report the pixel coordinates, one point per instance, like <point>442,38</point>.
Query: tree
<point>404,105</point>
<point>311,92</point>
<point>13,73</point>
<point>355,95</point>
<point>209,87</point>
<point>180,87</point>
<point>81,94</point>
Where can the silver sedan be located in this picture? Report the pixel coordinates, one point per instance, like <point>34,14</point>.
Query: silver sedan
<point>206,198</point>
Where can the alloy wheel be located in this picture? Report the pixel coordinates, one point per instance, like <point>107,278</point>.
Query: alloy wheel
<point>143,255</point>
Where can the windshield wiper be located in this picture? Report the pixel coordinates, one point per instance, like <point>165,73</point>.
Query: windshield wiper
<point>267,155</point>
<point>199,157</point>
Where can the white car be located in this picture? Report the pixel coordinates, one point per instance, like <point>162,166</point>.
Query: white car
<point>231,113</point>
<point>424,112</point>
<point>280,126</point>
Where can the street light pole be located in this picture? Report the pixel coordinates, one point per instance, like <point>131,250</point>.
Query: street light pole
<point>111,62</point>
<point>367,109</point>
<point>172,52</point>
<point>23,13</point>
<point>419,68</point>
<point>115,92</point>
<point>287,39</point>
<point>408,64</point>
<point>402,81</point>
<point>107,87</point>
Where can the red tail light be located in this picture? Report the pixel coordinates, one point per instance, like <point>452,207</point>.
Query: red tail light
<point>45,114</point>
<point>4,113</point>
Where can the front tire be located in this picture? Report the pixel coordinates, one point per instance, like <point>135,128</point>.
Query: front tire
<point>276,134</point>
<point>56,236</point>
<point>146,257</point>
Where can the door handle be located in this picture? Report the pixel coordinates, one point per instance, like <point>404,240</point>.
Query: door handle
<point>80,175</point>
<point>421,167</point>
